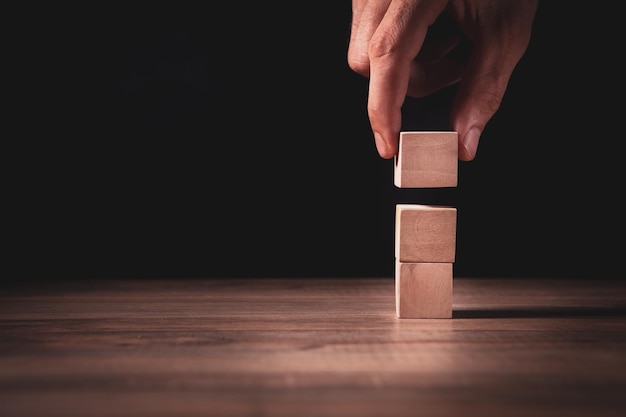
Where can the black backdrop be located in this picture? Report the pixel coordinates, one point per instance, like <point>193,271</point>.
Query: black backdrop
<point>233,141</point>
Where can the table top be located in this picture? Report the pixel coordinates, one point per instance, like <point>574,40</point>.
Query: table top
<point>310,347</point>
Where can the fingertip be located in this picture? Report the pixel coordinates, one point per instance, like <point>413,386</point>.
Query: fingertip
<point>384,150</point>
<point>469,144</point>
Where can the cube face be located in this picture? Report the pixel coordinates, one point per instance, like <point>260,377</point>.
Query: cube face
<point>423,290</point>
<point>427,160</point>
<point>425,233</point>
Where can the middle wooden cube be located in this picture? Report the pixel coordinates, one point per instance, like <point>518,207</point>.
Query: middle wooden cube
<point>425,233</point>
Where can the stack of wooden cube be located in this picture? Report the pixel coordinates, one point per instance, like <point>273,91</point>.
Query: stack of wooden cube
<point>425,235</point>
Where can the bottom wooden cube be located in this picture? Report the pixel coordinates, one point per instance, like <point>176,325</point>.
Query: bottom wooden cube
<point>423,290</point>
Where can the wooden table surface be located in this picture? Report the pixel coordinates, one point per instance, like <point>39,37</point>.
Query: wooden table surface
<point>310,347</point>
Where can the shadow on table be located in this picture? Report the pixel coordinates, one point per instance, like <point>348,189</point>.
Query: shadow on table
<point>542,311</point>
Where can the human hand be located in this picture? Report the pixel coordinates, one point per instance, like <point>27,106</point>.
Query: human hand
<point>390,46</point>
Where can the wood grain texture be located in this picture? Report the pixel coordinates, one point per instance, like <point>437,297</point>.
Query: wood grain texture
<point>427,160</point>
<point>425,233</point>
<point>310,347</point>
<point>424,290</point>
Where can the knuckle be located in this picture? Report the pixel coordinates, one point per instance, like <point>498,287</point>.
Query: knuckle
<point>382,44</point>
<point>491,99</point>
<point>359,63</point>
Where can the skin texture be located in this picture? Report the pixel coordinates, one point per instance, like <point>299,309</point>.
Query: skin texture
<point>403,49</point>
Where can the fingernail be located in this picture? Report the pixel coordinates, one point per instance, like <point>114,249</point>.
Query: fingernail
<point>381,145</point>
<point>470,142</point>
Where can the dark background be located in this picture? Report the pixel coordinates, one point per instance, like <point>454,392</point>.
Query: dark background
<point>223,140</point>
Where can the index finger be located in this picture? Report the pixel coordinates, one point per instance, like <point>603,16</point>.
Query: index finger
<point>393,47</point>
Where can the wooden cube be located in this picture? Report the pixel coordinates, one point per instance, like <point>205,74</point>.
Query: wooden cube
<point>427,160</point>
<point>425,233</point>
<point>423,290</point>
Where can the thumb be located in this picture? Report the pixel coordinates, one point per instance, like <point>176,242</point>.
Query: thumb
<point>478,99</point>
